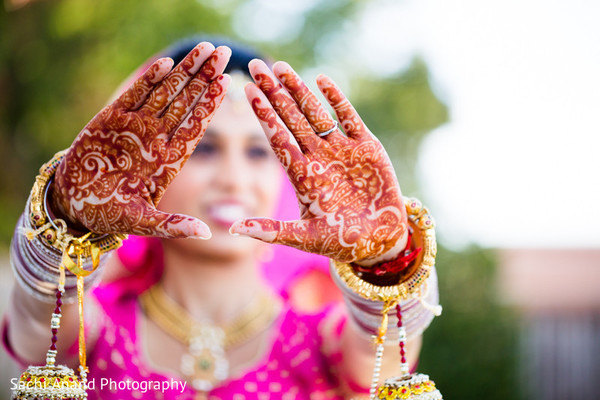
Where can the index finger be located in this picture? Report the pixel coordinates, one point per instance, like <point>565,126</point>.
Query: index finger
<point>134,96</point>
<point>185,101</point>
<point>285,106</point>
<point>283,143</point>
<point>174,82</point>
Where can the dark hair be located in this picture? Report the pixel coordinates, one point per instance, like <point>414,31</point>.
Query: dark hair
<point>241,54</point>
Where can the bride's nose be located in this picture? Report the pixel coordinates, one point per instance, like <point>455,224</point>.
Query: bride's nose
<point>234,172</point>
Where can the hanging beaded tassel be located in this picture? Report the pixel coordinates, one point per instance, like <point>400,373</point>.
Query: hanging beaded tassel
<point>406,386</point>
<point>51,382</point>
<point>380,341</point>
<point>401,341</point>
<point>57,382</point>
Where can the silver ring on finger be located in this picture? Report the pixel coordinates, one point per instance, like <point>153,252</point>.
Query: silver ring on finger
<point>327,132</point>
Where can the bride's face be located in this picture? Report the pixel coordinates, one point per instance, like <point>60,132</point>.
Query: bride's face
<point>232,174</point>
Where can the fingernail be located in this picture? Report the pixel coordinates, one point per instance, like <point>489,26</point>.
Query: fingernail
<point>202,231</point>
<point>225,51</point>
<point>201,236</point>
<point>235,225</point>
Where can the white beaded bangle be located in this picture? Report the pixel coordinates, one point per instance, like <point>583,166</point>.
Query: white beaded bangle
<point>35,266</point>
<point>417,312</point>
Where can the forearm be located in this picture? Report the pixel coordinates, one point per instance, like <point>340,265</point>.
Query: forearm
<point>417,312</point>
<point>365,319</point>
<point>28,327</point>
<point>33,299</point>
<point>359,355</point>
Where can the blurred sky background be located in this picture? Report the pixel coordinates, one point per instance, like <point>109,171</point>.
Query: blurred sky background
<point>517,164</point>
<point>521,79</point>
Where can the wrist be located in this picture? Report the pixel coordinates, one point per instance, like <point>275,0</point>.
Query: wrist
<point>56,232</point>
<point>44,248</point>
<point>389,272</point>
<point>410,280</point>
<point>406,284</point>
<point>35,264</point>
<point>365,313</point>
<point>401,243</point>
<point>400,265</point>
<point>56,209</point>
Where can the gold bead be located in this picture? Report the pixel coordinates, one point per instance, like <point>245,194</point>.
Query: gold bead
<point>38,218</point>
<point>426,222</point>
<point>413,206</point>
<point>49,236</point>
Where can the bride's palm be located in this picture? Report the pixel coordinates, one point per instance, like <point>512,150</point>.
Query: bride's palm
<point>350,201</point>
<point>119,166</point>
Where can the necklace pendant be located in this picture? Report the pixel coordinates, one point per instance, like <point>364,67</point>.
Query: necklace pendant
<point>205,365</point>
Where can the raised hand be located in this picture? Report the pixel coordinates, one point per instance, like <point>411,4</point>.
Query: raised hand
<point>119,166</point>
<point>350,202</point>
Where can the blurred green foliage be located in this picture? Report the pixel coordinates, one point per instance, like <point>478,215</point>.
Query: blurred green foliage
<point>61,60</point>
<point>470,350</point>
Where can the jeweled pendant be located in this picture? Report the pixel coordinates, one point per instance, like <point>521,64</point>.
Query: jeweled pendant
<point>206,365</point>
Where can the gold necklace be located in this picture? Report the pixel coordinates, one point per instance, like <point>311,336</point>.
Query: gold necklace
<point>205,364</point>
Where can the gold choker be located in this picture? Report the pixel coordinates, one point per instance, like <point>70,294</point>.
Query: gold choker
<point>205,364</point>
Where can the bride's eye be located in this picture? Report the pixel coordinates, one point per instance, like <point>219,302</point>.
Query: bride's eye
<point>205,149</point>
<point>256,152</point>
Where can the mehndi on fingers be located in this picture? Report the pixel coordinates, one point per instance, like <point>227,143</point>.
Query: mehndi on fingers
<point>350,202</point>
<point>118,167</point>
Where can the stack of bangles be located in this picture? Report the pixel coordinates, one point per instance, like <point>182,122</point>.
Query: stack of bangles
<point>411,278</point>
<point>41,245</point>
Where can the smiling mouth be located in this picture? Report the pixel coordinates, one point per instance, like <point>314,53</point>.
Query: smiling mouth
<point>227,214</point>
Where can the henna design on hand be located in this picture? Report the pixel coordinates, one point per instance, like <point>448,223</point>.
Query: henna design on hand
<point>350,201</point>
<point>118,167</point>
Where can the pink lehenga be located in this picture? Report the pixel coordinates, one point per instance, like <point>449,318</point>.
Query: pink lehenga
<point>301,363</point>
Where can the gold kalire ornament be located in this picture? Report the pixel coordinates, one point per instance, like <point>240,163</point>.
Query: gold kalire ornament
<point>409,285</point>
<point>51,381</point>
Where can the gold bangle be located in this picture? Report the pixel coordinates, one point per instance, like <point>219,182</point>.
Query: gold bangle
<point>54,232</point>
<point>423,236</point>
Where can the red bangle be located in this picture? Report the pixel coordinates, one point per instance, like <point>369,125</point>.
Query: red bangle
<point>406,257</point>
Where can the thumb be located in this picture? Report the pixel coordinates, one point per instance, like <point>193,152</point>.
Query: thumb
<point>289,233</point>
<point>157,223</point>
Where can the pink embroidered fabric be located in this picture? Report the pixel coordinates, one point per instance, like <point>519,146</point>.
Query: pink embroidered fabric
<point>300,364</point>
